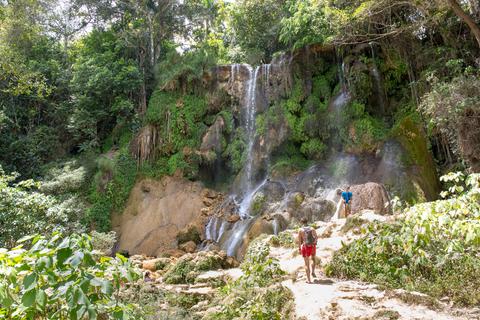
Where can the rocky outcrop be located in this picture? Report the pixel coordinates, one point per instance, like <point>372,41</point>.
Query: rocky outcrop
<point>212,140</point>
<point>370,196</point>
<point>316,209</point>
<point>157,211</point>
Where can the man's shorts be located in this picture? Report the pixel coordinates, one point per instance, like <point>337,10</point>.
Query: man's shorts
<point>308,251</point>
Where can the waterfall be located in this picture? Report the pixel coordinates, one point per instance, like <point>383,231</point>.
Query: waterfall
<point>247,201</point>
<point>343,97</point>
<point>235,239</point>
<point>378,81</point>
<point>230,236</point>
<point>251,108</point>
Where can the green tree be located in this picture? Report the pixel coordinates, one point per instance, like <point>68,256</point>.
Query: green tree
<point>256,28</point>
<point>103,84</point>
<point>306,24</point>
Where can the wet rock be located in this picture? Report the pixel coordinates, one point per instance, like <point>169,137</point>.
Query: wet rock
<point>212,140</point>
<point>188,247</point>
<point>370,196</point>
<point>233,218</point>
<point>189,234</point>
<point>294,201</point>
<point>273,191</point>
<point>315,209</point>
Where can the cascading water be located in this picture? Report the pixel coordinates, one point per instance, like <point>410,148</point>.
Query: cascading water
<point>343,97</point>
<point>230,236</point>
<point>251,107</point>
<point>378,81</point>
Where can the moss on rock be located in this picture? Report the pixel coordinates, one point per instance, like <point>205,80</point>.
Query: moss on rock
<point>411,136</point>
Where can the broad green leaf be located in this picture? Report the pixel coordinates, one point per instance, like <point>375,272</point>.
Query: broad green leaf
<point>41,298</point>
<point>28,298</point>
<point>30,281</point>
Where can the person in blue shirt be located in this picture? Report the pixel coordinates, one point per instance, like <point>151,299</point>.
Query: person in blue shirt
<point>347,199</point>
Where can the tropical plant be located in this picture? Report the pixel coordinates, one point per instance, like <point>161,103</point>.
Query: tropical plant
<point>60,278</point>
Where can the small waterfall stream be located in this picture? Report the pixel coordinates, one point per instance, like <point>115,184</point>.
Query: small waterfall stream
<point>380,90</point>
<point>230,236</point>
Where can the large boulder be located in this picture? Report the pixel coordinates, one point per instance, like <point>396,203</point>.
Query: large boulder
<point>370,196</point>
<point>273,190</point>
<point>315,209</point>
<point>156,212</point>
<point>212,140</point>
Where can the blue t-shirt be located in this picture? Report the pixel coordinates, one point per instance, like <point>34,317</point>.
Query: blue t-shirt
<point>347,196</point>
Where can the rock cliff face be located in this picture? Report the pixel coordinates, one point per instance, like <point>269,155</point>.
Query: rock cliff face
<point>158,210</point>
<point>281,139</point>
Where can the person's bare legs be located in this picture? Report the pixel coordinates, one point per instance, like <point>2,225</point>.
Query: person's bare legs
<point>307,268</point>
<point>313,267</point>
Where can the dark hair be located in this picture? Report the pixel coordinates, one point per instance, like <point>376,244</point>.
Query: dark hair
<point>304,220</point>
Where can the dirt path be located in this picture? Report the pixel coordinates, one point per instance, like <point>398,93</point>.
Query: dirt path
<point>337,299</point>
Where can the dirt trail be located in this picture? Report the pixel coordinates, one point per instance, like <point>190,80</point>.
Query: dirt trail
<point>337,299</point>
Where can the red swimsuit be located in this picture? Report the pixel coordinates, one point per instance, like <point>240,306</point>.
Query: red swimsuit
<point>308,251</point>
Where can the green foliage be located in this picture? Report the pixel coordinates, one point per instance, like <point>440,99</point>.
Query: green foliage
<point>102,82</point>
<point>256,26</point>
<point>433,249</point>
<point>179,119</point>
<point>103,242</point>
<point>236,150</point>
<point>68,177</point>
<point>184,71</point>
<point>359,131</point>
<point>283,239</point>
<point>305,24</point>
<point>187,268</point>
<point>110,193</point>
<point>259,269</point>
<point>453,109</point>
<point>313,148</point>
<point>24,210</point>
<point>258,204</point>
<point>255,295</point>
<point>288,159</point>
<point>59,278</point>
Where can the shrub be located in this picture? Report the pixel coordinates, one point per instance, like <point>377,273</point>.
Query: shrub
<point>68,177</point>
<point>186,269</point>
<point>256,294</point>
<point>434,248</point>
<point>59,278</point>
<point>24,210</point>
<point>453,110</point>
<point>104,242</point>
<point>283,239</point>
<point>115,193</point>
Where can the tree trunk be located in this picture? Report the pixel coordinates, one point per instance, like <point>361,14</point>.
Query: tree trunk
<point>466,18</point>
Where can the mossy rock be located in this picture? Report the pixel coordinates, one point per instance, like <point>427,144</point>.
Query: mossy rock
<point>258,204</point>
<point>411,136</point>
<point>190,233</point>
